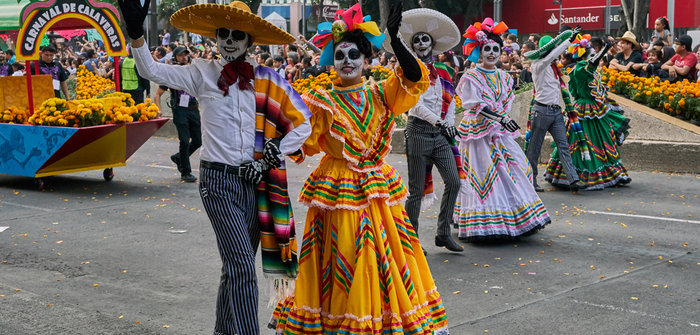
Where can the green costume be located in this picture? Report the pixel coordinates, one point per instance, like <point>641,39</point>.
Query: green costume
<point>604,128</point>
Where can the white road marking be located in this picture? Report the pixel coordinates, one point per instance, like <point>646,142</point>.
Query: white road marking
<point>621,309</point>
<point>2,229</point>
<point>27,206</point>
<point>164,167</point>
<point>644,217</point>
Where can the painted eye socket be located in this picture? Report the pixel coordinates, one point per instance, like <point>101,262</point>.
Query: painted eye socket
<point>487,48</point>
<point>354,54</point>
<point>418,39</point>
<point>339,55</point>
<point>496,49</point>
<point>223,33</point>
<point>238,35</point>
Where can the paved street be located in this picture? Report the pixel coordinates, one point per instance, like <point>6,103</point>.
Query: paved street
<point>137,255</point>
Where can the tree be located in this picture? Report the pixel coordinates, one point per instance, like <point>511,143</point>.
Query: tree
<point>634,14</point>
<point>166,9</point>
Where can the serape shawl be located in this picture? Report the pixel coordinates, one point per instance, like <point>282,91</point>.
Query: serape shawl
<point>573,127</point>
<point>278,110</point>
<point>448,92</point>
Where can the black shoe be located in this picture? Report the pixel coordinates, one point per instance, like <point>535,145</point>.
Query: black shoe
<point>625,181</point>
<point>538,188</point>
<point>176,159</point>
<point>447,242</point>
<point>188,178</point>
<point>577,185</point>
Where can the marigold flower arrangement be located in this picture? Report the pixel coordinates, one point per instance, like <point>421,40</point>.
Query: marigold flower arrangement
<point>14,115</point>
<point>680,98</point>
<point>89,85</point>
<point>324,81</point>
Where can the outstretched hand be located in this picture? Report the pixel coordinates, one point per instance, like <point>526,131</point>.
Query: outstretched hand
<point>509,124</point>
<point>394,22</point>
<point>577,30</point>
<point>134,14</point>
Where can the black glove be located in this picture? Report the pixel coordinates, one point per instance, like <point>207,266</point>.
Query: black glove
<point>509,124</point>
<point>595,60</point>
<point>134,15</point>
<point>446,129</point>
<point>576,31</point>
<point>254,171</point>
<point>271,153</point>
<point>408,62</point>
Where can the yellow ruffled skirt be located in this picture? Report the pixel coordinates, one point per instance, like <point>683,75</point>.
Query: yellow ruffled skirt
<point>362,272</point>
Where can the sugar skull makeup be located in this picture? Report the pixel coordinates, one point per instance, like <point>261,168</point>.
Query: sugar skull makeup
<point>422,45</point>
<point>231,43</point>
<point>348,60</point>
<point>490,52</point>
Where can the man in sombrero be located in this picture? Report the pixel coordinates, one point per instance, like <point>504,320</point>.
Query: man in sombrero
<point>545,113</point>
<point>430,131</point>
<point>251,117</point>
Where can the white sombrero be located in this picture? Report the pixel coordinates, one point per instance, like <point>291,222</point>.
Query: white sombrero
<point>424,20</point>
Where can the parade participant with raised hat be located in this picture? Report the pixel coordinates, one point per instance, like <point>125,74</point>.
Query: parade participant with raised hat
<point>596,126</point>
<point>498,201</point>
<point>250,117</point>
<point>430,131</point>
<point>545,113</point>
<point>362,270</point>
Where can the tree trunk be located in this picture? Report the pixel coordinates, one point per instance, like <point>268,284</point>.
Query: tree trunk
<point>641,9</point>
<point>627,10</point>
<point>153,30</point>
<point>383,14</point>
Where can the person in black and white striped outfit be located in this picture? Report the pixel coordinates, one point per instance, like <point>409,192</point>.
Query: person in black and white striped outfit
<point>231,91</point>
<point>431,121</point>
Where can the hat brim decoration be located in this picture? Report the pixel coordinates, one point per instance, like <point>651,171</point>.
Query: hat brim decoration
<point>423,20</point>
<point>205,19</point>
<point>474,40</point>
<point>345,21</point>
<point>579,45</point>
<point>545,49</point>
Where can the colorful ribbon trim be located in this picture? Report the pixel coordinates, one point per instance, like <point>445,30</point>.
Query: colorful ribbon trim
<point>475,37</point>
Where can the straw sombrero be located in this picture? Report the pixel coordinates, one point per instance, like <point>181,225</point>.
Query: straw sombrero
<point>548,43</point>
<point>629,37</point>
<point>423,20</point>
<point>204,19</point>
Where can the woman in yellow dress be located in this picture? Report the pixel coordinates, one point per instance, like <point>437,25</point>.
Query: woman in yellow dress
<point>362,270</point>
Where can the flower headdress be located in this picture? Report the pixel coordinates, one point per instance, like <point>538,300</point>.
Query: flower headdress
<point>345,21</point>
<point>476,37</point>
<point>579,46</point>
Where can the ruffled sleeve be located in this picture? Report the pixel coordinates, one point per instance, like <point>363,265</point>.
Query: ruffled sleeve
<point>398,93</point>
<point>321,120</point>
<point>469,90</point>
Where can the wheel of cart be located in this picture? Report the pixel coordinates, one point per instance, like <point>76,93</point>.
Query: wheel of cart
<point>38,184</point>
<point>108,174</point>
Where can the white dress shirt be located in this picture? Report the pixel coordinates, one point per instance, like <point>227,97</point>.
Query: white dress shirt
<point>228,122</point>
<point>547,86</point>
<point>429,106</point>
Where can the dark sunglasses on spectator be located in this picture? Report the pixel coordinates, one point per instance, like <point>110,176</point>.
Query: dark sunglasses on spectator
<point>392,61</point>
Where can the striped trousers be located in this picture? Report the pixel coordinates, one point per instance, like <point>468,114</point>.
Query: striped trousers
<point>425,141</point>
<point>545,119</point>
<point>231,206</point>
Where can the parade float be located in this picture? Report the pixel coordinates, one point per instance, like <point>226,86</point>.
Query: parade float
<point>41,135</point>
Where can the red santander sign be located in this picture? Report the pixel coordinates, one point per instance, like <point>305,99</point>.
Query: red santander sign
<point>590,18</point>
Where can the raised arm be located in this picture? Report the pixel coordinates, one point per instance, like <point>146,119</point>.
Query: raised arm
<point>186,78</point>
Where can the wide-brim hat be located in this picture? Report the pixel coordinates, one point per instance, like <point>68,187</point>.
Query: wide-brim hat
<point>423,20</point>
<point>629,37</point>
<point>543,50</point>
<point>204,19</point>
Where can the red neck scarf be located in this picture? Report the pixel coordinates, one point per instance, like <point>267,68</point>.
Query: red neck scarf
<point>433,73</point>
<point>232,71</point>
<point>557,71</point>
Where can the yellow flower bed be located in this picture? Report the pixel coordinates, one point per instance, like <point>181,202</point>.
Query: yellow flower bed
<point>114,108</point>
<point>680,98</point>
<point>89,85</point>
<point>323,80</point>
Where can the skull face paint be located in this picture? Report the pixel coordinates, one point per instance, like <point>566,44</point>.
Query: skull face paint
<point>231,43</point>
<point>422,45</point>
<point>490,52</point>
<point>348,61</point>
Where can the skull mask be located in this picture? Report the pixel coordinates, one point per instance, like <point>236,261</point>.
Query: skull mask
<point>422,44</point>
<point>348,60</point>
<point>231,43</point>
<point>490,52</point>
